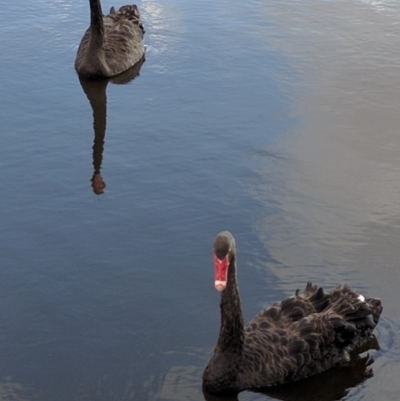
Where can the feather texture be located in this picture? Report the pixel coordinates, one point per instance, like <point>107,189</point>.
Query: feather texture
<point>298,337</point>
<point>112,43</point>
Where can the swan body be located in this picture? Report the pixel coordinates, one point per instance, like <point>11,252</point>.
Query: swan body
<point>298,337</point>
<point>112,43</point>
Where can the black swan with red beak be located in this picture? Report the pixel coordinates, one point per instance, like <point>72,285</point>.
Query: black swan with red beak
<point>112,44</point>
<point>298,337</point>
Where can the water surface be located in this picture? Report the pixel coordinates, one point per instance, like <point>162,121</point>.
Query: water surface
<point>276,120</point>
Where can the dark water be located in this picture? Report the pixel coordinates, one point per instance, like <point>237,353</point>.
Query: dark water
<point>276,120</point>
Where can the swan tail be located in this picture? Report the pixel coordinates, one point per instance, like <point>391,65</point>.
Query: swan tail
<point>376,307</point>
<point>353,317</point>
<point>347,323</point>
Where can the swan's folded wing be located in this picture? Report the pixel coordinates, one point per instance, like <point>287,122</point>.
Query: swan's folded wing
<point>123,44</point>
<point>287,343</point>
<point>292,309</point>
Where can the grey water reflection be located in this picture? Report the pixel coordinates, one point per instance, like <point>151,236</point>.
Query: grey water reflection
<point>11,390</point>
<point>96,92</point>
<point>346,147</point>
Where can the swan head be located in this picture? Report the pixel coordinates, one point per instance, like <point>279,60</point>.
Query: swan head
<point>224,250</point>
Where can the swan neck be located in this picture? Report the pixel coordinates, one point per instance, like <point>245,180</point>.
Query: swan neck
<point>232,328</point>
<point>96,21</point>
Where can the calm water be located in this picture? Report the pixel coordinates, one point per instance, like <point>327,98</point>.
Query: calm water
<point>277,120</point>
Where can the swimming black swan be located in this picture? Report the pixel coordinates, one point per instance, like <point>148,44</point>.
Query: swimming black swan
<point>300,336</point>
<point>112,43</point>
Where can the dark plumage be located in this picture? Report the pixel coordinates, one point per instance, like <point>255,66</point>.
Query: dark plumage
<point>112,43</point>
<point>298,337</point>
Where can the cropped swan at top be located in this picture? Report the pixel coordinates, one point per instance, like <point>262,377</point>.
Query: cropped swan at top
<point>300,336</point>
<point>112,43</point>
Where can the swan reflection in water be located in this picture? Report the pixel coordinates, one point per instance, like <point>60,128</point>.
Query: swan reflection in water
<point>95,91</point>
<point>331,385</point>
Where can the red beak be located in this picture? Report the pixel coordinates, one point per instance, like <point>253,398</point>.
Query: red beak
<point>221,272</point>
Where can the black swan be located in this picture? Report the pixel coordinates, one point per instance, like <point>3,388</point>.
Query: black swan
<point>112,43</point>
<point>298,337</point>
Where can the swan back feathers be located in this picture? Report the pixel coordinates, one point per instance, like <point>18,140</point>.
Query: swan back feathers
<point>112,45</point>
<point>304,335</point>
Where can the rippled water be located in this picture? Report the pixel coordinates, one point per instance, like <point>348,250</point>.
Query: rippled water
<point>276,120</point>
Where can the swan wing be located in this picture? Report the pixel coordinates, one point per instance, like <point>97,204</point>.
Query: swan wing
<point>123,35</point>
<point>305,334</point>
